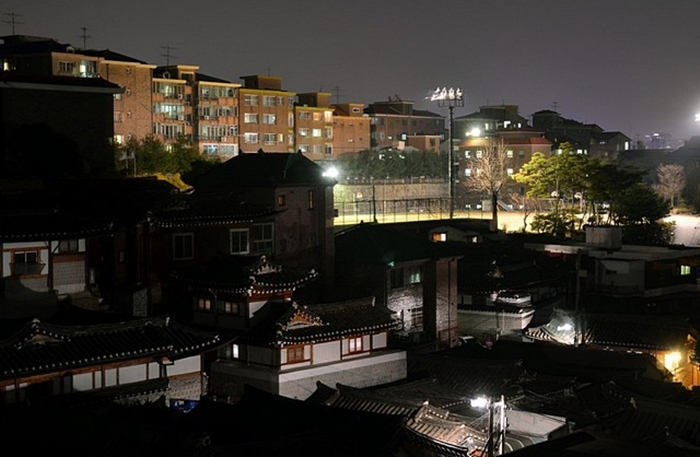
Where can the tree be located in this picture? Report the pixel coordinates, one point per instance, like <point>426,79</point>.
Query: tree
<point>525,204</point>
<point>671,181</point>
<point>641,210</point>
<point>490,172</point>
<point>150,156</point>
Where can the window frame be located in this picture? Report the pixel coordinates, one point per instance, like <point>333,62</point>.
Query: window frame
<point>239,231</point>
<point>183,236</point>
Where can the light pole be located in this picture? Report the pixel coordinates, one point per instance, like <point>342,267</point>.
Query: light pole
<point>483,402</point>
<point>449,98</point>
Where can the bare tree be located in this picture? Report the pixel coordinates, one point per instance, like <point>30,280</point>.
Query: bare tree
<point>527,205</point>
<point>489,171</point>
<point>671,181</point>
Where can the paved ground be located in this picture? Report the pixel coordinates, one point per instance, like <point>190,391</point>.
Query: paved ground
<point>687,230</point>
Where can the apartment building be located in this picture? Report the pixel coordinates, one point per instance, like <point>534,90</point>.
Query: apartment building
<point>393,121</point>
<point>313,118</point>
<point>215,120</point>
<point>265,115</point>
<point>351,129</point>
<point>202,108</point>
<point>172,102</point>
<point>38,56</point>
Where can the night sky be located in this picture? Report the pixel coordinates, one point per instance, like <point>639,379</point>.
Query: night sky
<point>627,65</point>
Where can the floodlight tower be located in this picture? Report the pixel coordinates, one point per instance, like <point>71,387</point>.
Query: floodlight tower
<point>450,98</point>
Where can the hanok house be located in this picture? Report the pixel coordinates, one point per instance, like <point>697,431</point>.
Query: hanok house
<point>43,360</point>
<point>45,256</point>
<point>228,292</point>
<point>294,346</point>
<point>302,235</point>
<point>412,276</point>
<point>671,340</point>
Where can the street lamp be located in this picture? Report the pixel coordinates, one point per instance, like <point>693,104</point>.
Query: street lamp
<point>484,402</point>
<point>449,98</point>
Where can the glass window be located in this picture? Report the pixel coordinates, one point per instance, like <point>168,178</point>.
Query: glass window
<point>250,137</point>
<point>230,307</point>
<point>240,243</point>
<point>269,100</point>
<point>396,278</point>
<point>26,263</point>
<point>316,133</point>
<point>415,318</point>
<point>250,118</point>
<point>68,246</point>
<point>355,344</point>
<point>269,119</point>
<point>204,304</point>
<point>304,115</point>
<point>414,275</point>
<point>295,354</point>
<point>183,246</point>
<point>263,237</point>
<point>269,138</point>
<point>250,100</point>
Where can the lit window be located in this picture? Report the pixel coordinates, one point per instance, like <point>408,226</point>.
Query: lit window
<point>204,304</point>
<point>295,354</point>
<point>355,344</point>
<point>304,115</point>
<point>183,246</point>
<point>467,172</point>
<point>414,275</point>
<point>269,119</point>
<point>439,236</point>
<point>250,100</point>
<point>479,154</point>
<point>685,270</point>
<point>281,200</point>
<point>316,133</point>
<point>230,307</point>
<point>509,153</point>
<point>303,132</point>
<point>467,154</point>
<point>240,243</point>
<point>250,137</point>
<point>235,351</point>
<point>250,118</point>
<point>318,116</point>
<point>509,171</point>
<point>310,199</point>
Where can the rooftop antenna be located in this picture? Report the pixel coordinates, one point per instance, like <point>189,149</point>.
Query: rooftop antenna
<point>13,20</point>
<point>336,89</point>
<point>555,106</point>
<point>84,36</point>
<point>167,54</point>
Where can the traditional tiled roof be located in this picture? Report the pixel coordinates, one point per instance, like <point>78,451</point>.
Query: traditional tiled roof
<point>45,223</point>
<point>244,275</point>
<point>263,169</point>
<point>191,210</point>
<point>291,323</point>
<point>650,333</point>
<point>377,243</point>
<point>42,348</point>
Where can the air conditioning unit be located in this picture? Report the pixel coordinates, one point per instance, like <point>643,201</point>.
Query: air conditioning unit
<point>181,118</point>
<point>206,118</point>
<point>179,96</point>
<point>223,139</point>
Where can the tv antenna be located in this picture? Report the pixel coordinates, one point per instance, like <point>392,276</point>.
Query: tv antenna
<point>84,36</point>
<point>336,90</point>
<point>13,20</point>
<point>167,54</point>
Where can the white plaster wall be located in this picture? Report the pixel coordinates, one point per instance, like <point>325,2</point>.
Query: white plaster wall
<point>185,366</point>
<point>326,352</point>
